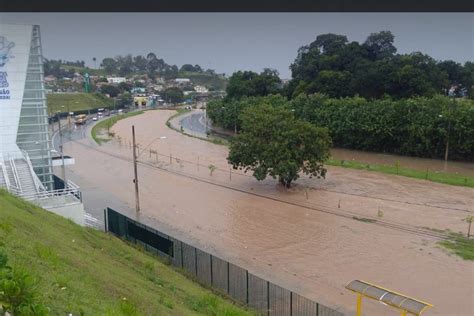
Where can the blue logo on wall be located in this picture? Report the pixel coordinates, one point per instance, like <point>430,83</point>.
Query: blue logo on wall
<point>5,55</point>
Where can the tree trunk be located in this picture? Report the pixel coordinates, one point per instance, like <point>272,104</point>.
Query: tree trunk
<point>285,183</point>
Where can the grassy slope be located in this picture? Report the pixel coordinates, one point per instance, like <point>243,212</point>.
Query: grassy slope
<point>76,101</point>
<point>108,123</point>
<point>83,270</point>
<point>440,177</point>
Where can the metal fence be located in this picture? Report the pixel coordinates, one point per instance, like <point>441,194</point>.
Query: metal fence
<point>244,287</point>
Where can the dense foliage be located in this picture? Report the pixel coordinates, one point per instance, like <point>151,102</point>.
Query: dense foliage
<point>274,142</point>
<point>333,66</point>
<point>249,83</point>
<point>415,127</point>
<point>18,295</point>
<point>173,95</point>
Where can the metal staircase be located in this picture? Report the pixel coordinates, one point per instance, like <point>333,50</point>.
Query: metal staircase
<point>18,177</point>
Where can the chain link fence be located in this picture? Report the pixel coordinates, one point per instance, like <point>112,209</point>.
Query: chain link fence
<point>238,283</point>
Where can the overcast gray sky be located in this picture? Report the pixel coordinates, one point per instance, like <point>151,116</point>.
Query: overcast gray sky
<point>228,42</point>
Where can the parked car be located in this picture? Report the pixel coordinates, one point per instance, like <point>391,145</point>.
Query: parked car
<point>95,118</point>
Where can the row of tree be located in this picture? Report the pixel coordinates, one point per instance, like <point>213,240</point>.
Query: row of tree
<point>417,126</point>
<point>124,66</point>
<point>339,68</point>
<point>128,64</point>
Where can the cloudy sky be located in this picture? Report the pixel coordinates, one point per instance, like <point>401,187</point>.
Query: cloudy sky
<point>228,42</point>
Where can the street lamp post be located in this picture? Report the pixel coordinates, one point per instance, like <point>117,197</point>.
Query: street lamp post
<point>135,180</point>
<point>62,152</point>
<point>452,108</point>
<point>135,166</point>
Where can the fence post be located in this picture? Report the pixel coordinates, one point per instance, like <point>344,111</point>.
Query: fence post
<point>196,261</point>
<point>291,303</point>
<point>268,298</point>
<point>228,278</point>
<point>212,278</point>
<point>182,259</point>
<point>247,282</point>
<point>105,220</point>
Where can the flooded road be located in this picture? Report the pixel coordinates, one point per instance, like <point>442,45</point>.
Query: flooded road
<point>195,123</point>
<point>311,238</point>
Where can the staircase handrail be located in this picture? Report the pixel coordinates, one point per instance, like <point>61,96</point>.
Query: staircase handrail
<point>15,174</point>
<point>5,175</point>
<point>39,186</point>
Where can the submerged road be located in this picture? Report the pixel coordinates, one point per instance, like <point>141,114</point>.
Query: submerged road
<point>310,251</point>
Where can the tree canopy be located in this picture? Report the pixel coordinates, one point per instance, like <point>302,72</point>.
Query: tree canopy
<point>337,68</point>
<point>275,143</point>
<point>173,95</point>
<point>249,83</point>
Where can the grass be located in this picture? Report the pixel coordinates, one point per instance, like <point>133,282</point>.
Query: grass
<point>460,246</point>
<point>108,123</point>
<point>440,177</point>
<point>87,272</point>
<point>74,102</point>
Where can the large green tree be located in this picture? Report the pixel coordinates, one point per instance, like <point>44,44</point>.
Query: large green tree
<point>109,65</point>
<point>275,143</point>
<point>173,95</point>
<point>249,83</point>
<point>337,68</point>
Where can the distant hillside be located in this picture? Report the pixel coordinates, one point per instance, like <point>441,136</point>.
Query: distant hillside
<point>215,82</point>
<point>76,101</point>
<point>87,272</point>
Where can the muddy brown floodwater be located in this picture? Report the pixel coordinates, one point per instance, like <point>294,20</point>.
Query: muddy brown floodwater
<point>306,239</point>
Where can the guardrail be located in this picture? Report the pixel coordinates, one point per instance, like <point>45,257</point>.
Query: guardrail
<point>71,188</point>
<point>39,186</point>
<point>15,175</point>
<point>5,175</point>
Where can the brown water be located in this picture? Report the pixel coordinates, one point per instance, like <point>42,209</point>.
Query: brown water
<point>297,238</point>
<point>464,168</point>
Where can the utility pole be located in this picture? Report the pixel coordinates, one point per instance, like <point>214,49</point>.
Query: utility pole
<point>62,153</point>
<point>135,180</point>
<point>452,108</point>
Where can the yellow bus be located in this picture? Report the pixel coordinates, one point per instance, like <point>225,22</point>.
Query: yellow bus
<point>80,119</point>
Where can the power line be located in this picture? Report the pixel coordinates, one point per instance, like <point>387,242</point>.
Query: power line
<point>346,214</point>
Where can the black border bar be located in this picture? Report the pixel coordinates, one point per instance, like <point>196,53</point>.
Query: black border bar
<point>236,6</point>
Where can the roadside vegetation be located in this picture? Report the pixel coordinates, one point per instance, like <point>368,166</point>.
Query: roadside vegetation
<point>51,266</point>
<point>434,176</point>
<point>72,102</point>
<point>459,245</point>
<point>105,126</point>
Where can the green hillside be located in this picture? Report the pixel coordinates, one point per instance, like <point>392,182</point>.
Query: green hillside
<point>76,102</point>
<point>87,272</point>
<point>211,81</point>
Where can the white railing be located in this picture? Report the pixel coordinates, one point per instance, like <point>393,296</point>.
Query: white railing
<point>91,221</point>
<point>5,175</point>
<point>15,175</point>
<point>39,186</point>
<point>48,194</point>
